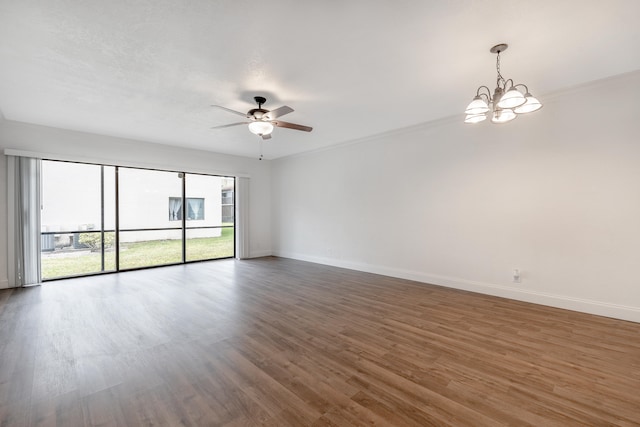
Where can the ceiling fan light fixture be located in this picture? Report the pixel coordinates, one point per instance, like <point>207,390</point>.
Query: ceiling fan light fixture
<point>260,128</point>
<point>507,100</point>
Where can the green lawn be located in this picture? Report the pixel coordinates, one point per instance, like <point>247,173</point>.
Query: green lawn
<point>139,254</point>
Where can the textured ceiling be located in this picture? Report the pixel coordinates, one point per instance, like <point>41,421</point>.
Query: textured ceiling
<point>149,69</point>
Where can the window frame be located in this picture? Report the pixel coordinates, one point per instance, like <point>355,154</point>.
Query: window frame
<point>117,230</point>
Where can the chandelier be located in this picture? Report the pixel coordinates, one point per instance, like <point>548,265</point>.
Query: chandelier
<point>507,101</point>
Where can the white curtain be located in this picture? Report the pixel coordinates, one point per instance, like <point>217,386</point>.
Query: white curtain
<point>175,204</point>
<point>26,220</point>
<point>194,205</point>
<point>242,217</point>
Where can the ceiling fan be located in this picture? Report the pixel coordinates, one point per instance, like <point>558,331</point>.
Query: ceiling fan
<point>261,121</point>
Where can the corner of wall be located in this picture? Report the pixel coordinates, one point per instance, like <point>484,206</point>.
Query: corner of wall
<point>260,253</point>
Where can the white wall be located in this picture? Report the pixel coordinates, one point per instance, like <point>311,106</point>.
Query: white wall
<point>555,194</point>
<point>111,150</point>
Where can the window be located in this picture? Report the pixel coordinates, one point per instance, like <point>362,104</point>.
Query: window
<point>228,207</point>
<point>205,236</point>
<point>175,208</point>
<point>77,219</point>
<point>98,218</point>
<point>195,209</point>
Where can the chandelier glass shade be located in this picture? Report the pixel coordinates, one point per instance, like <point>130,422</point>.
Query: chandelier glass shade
<point>507,101</point>
<point>503,115</point>
<point>477,106</point>
<point>532,104</point>
<point>511,99</point>
<point>475,118</point>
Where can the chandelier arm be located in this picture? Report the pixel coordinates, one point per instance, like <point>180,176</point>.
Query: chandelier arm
<point>526,89</point>
<point>506,82</point>
<point>488,94</point>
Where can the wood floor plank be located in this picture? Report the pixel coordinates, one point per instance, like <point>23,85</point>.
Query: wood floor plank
<point>278,342</point>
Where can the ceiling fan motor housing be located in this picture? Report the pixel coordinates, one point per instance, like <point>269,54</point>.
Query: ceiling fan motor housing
<point>257,113</point>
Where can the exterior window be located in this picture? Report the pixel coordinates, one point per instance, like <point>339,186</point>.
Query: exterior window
<point>228,206</point>
<point>175,208</point>
<point>195,209</point>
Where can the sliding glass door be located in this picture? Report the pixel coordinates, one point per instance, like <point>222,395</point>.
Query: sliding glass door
<point>149,235</point>
<point>77,219</point>
<point>98,218</point>
<point>209,226</point>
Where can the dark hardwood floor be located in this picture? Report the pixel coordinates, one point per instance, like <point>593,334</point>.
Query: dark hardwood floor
<point>279,342</point>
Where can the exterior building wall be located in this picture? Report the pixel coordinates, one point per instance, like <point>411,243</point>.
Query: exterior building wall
<point>71,201</point>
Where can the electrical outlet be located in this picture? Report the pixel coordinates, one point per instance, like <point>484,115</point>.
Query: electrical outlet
<point>516,276</point>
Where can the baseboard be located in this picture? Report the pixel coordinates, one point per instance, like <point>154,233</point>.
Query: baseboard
<point>615,311</point>
<point>4,284</point>
<point>258,254</point>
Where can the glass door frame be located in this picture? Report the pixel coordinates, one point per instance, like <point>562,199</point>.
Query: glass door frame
<point>117,230</point>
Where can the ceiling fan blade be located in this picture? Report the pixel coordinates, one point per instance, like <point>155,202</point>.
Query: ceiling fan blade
<point>231,111</point>
<point>278,112</point>
<point>230,124</point>
<point>267,136</point>
<point>282,124</point>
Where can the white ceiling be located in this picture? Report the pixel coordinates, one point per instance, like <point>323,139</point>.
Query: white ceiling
<point>149,69</point>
